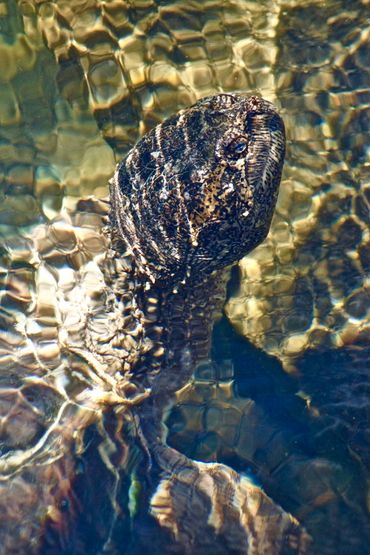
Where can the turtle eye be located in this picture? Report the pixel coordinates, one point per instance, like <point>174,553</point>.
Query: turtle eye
<point>237,147</point>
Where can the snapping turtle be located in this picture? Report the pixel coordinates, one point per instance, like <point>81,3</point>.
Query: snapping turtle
<point>193,196</point>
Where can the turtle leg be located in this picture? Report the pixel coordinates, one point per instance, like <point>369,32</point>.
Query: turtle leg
<point>199,508</point>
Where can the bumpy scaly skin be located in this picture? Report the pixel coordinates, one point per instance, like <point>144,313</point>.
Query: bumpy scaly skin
<point>191,198</point>
<point>195,195</point>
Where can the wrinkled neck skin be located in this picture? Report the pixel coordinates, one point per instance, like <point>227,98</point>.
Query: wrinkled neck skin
<point>177,324</point>
<point>181,322</point>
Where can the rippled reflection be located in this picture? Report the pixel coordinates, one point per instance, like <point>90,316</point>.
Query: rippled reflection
<point>80,81</point>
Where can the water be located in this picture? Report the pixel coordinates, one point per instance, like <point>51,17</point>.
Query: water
<point>80,82</point>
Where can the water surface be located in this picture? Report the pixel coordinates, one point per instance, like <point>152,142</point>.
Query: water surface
<point>285,396</point>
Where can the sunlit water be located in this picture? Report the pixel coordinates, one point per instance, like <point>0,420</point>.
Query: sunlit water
<point>286,395</point>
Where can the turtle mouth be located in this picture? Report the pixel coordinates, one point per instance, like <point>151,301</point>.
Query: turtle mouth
<point>266,151</point>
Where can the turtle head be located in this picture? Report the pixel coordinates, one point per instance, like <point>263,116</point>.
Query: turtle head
<point>198,192</point>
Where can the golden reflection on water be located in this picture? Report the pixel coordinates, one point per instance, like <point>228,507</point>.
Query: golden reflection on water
<point>81,81</point>
<point>131,65</point>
